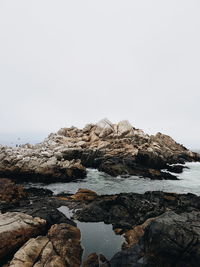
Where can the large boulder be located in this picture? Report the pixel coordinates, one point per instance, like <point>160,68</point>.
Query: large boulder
<point>124,128</point>
<point>15,229</point>
<point>104,128</point>
<point>61,247</point>
<point>173,240</point>
<point>170,240</point>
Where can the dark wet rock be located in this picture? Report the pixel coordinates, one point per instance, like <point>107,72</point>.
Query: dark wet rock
<point>176,168</point>
<point>61,247</point>
<point>133,235</point>
<point>128,209</point>
<point>131,257</point>
<point>35,192</point>
<point>171,240</point>
<point>47,210</point>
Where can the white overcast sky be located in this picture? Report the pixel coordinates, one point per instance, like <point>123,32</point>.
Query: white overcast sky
<point>66,63</point>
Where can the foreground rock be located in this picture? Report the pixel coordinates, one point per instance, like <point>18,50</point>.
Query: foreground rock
<point>117,149</point>
<point>169,240</point>
<point>160,229</point>
<point>61,247</point>
<point>15,229</point>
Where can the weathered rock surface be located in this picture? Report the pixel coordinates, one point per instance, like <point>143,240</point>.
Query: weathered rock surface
<point>117,149</point>
<point>61,247</point>
<point>45,208</point>
<point>9,192</point>
<point>94,260</point>
<point>38,164</point>
<point>171,240</point>
<point>84,195</point>
<point>15,229</point>
<point>160,229</point>
<point>130,209</point>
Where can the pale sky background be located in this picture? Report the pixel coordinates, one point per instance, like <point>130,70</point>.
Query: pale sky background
<point>66,63</point>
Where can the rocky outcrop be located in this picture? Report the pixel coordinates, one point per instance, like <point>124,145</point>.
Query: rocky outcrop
<point>15,229</point>
<point>38,164</point>
<point>117,149</point>
<point>61,247</point>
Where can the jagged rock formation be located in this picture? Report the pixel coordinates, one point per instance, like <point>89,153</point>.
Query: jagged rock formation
<point>38,163</point>
<point>117,149</point>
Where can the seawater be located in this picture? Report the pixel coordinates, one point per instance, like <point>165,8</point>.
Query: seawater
<point>104,184</point>
<point>96,237</point>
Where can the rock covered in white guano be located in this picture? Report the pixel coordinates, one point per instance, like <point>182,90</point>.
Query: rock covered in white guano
<point>117,149</point>
<point>38,163</point>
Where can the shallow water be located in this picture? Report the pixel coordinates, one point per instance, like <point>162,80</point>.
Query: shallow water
<point>104,184</point>
<point>97,237</point>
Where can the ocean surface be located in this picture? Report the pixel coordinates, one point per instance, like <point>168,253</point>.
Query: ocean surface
<point>104,184</point>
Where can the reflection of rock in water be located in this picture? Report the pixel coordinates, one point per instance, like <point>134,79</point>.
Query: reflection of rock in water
<point>96,237</point>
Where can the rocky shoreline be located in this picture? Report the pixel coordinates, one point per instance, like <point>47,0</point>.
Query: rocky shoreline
<point>116,149</point>
<point>159,229</point>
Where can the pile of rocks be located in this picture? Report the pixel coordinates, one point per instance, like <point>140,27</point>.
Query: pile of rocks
<point>117,149</point>
<point>160,229</point>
